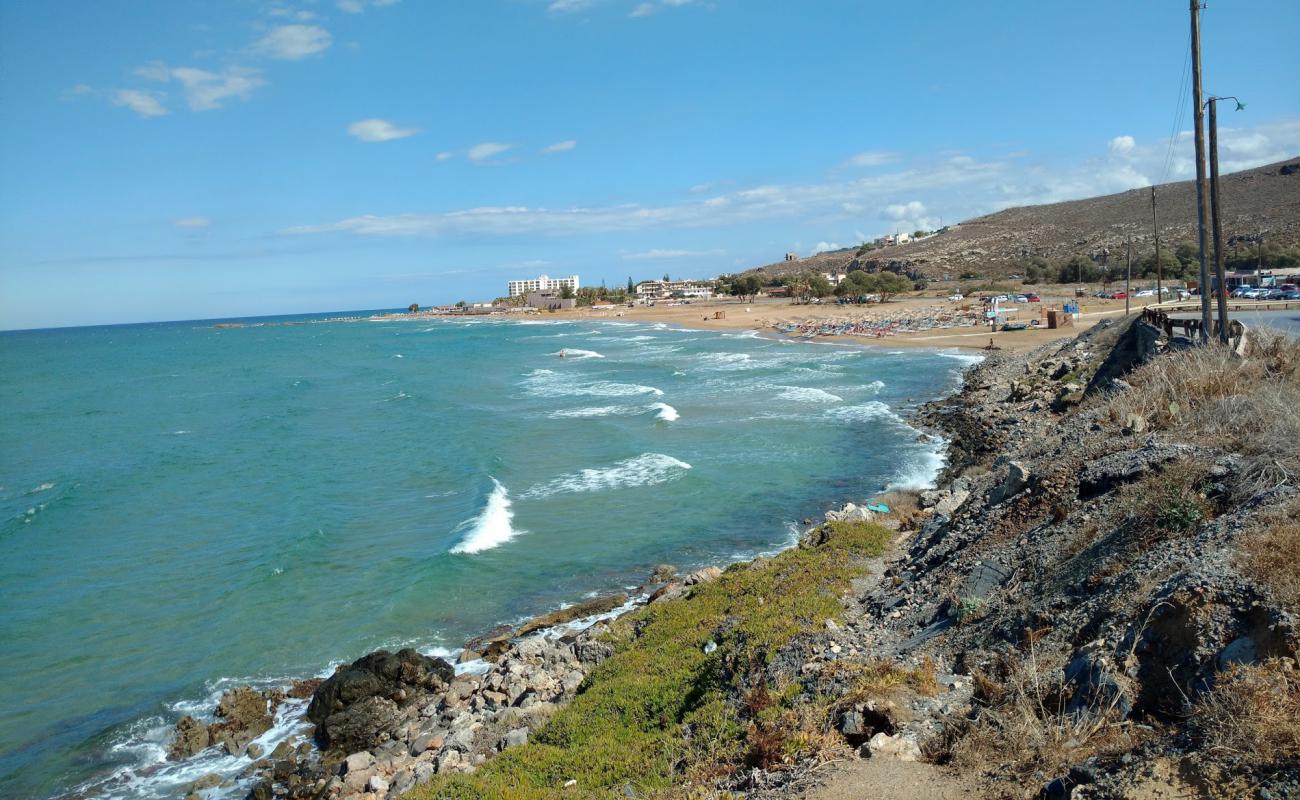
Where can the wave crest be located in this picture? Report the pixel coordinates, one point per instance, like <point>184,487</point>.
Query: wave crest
<point>492,527</point>
<point>646,469</point>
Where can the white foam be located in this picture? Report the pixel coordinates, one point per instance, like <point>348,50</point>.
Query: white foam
<point>548,383</point>
<point>749,334</point>
<point>44,487</point>
<point>666,412</point>
<point>593,411</point>
<point>965,358</point>
<point>875,386</point>
<point>576,354</point>
<point>726,362</point>
<point>646,469</point>
<point>807,394</point>
<point>492,527</point>
<point>866,412</point>
<point>919,471</point>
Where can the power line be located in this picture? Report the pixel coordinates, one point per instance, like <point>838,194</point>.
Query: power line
<point>1180,109</point>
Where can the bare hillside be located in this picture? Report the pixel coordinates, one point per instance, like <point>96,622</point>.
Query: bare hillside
<point>1265,199</point>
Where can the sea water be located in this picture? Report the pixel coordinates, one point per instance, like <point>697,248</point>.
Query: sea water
<point>185,507</point>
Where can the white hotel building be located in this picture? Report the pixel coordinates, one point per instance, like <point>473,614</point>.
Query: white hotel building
<point>543,283</point>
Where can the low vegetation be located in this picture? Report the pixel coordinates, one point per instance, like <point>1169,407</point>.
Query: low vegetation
<point>1247,406</point>
<point>684,701</point>
<point>1253,714</point>
<point>1271,555</point>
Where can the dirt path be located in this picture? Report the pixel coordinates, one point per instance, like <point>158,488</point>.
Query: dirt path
<point>888,779</point>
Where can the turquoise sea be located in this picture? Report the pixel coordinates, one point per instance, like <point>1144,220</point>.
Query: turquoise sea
<point>185,507</point>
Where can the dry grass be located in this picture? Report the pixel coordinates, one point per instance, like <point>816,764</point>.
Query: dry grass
<point>1022,730</point>
<point>1246,405</point>
<point>1271,555</point>
<point>1253,713</point>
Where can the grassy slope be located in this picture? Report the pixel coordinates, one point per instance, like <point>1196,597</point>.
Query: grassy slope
<point>661,712</point>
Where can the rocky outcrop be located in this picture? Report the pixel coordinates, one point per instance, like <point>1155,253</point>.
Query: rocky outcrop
<point>358,705</point>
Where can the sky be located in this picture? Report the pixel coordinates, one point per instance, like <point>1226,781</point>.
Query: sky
<point>188,160</point>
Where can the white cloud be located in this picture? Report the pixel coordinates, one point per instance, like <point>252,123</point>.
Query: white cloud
<point>293,42</point>
<point>79,90</point>
<point>291,13</point>
<point>192,222</point>
<point>146,104</point>
<point>964,186</point>
<point>873,158</point>
<point>444,155</point>
<point>481,152</point>
<point>206,90</point>
<point>568,6</point>
<point>643,10</point>
<point>1122,145</point>
<point>665,254</point>
<point>358,6</point>
<point>560,147</point>
<point>825,247</point>
<point>914,208</point>
<point>379,130</point>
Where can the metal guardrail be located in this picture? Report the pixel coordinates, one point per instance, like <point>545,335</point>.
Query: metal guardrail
<point>1233,305</point>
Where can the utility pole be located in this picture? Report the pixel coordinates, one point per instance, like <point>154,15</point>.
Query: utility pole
<point>1198,113</point>
<point>1222,286</point>
<point>1259,257</point>
<point>1128,274</point>
<point>1155,230</point>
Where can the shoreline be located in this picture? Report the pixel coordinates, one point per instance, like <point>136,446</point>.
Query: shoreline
<point>290,724</point>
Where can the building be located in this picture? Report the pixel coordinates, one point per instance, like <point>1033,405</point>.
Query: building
<point>791,256</point>
<point>550,301</point>
<point>833,278</point>
<point>543,283</point>
<point>893,239</point>
<point>663,290</point>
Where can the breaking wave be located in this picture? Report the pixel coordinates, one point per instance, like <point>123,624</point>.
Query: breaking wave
<point>646,469</point>
<point>807,394</point>
<point>548,383</point>
<point>577,355</point>
<point>666,412</point>
<point>492,527</point>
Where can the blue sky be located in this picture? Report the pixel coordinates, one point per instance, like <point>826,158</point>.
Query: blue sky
<point>185,159</point>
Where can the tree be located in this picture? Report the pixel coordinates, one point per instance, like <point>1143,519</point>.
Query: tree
<point>818,286</point>
<point>746,286</point>
<point>413,307</point>
<point>566,292</point>
<point>461,304</point>
<point>1079,269</point>
<point>888,284</point>
<point>631,287</point>
<point>666,278</point>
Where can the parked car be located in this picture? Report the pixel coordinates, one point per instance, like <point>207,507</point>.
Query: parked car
<point>1294,294</point>
<point>1273,294</point>
<point>1145,293</point>
<point>1020,298</point>
<point>1119,295</point>
<point>1030,297</point>
<point>1241,290</point>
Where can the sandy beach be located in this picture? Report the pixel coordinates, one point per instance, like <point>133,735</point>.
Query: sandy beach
<point>765,314</point>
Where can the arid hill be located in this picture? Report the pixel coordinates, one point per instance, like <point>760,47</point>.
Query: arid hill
<point>1266,199</point>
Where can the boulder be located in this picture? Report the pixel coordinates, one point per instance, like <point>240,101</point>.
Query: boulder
<point>587,608</point>
<point>358,762</point>
<point>515,738</point>
<point>492,643</point>
<point>361,725</point>
<point>899,747</point>
<point>242,716</point>
<point>951,502</point>
<point>851,513</point>
<point>380,676</point>
<point>1015,482</point>
<point>663,573</point>
<point>191,738</point>
<point>705,575</point>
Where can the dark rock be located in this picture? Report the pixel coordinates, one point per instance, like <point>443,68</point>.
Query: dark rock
<point>191,738</point>
<point>587,608</point>
<point>663,573</point>
<point>362,725</point>
<point>492,643</point>
<point>379,674</point>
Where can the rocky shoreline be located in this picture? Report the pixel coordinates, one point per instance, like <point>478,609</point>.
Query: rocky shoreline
<point>388,721</point>
<point>1074,611</point>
